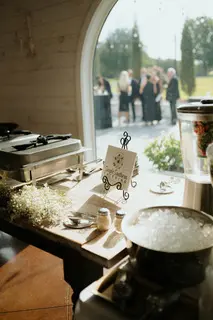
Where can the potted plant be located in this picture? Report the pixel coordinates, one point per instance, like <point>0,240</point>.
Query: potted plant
<point>165,154</point>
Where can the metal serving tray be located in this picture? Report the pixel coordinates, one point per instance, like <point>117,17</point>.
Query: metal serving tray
<point>49,167</point>
<point>11,159</point>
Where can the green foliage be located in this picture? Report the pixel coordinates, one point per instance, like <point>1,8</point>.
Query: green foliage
<point>114,55</point>
<point>187,61</point>
<point>165,154</point>
<point>121,50</point>
<point>97,64</point>
<point>147,61</point>
<point>201,30</point>
<point>199,70</point>
<point>136,52</point>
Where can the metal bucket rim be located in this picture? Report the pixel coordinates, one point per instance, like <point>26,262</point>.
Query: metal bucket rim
<point>128,218</point>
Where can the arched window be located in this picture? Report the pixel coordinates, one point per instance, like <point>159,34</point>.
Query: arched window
<point>86,73</point>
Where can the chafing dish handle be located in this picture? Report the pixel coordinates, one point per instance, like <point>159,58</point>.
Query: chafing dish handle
<point>25,132</point>
<point>60,137</point>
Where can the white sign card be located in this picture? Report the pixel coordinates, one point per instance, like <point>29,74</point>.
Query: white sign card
<point>118,166</point>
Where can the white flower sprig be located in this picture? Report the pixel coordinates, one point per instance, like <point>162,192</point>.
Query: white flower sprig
<point>39,206</point>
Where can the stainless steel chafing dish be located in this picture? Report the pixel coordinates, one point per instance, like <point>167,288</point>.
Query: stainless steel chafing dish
<point>25,156</point>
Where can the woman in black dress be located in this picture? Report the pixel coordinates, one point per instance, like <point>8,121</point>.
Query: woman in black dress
<point>149,92</point>
<point>104,88</point>
<point>124,89</point>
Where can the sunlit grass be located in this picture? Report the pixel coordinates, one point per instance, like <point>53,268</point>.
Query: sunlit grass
<point>203,85</point>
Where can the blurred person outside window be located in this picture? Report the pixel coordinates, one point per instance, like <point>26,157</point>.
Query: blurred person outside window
<point>142,83</point>
<point>134,92</point>
<point>172,94</point>
<point>150,91</point>
<point>124,89</point>
<point>103,86</point>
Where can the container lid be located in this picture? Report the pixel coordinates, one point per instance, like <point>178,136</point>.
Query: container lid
<point>103,211</point>
<point>203,107</point>
<point>120,213</point>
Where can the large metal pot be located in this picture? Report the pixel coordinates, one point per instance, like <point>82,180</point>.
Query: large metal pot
<point>172,270</point>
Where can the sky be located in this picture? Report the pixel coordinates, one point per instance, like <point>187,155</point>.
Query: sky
<point>160,22</point>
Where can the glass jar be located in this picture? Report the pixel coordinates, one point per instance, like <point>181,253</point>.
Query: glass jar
<point>103,219</point>
<point>118,220</point>
<point>209,153</point>
<point>196,133</point>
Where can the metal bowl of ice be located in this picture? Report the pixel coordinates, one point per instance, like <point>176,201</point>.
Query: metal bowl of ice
<point>170,245</point>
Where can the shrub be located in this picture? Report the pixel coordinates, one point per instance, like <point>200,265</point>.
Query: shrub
<point>165,154</point>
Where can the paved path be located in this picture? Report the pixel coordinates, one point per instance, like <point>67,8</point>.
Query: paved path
<point>141,134</point>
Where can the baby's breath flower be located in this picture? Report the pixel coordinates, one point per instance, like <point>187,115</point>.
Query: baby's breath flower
<point>39,206</point>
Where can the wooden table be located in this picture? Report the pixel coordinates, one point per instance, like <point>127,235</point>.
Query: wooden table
<point>85,252</point>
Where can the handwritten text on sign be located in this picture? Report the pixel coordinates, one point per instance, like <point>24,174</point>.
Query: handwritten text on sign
<point>118,166</point>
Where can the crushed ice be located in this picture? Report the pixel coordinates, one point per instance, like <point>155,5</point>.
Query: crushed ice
<point>165,230</point>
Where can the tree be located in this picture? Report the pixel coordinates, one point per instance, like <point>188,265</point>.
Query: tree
<point>136,51</point>
<point>202,35</point>
<point>147,61</point>
<point>97,63</point>
<point>187,61</point>
<point>120,51</point>
<point>115,53</point>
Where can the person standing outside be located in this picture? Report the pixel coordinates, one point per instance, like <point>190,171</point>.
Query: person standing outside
<point>103,90</point>
<point>134,92</point>
<point>172,94</point>
<point>142,83</point>
<point>104,85</point>
<point>159,87</point>
<point>124,90</point>
<point>150,92</point>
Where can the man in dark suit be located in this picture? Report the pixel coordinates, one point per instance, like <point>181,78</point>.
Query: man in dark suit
<point>142,83</point>
<point>134,92</point>
<point>172,94</point>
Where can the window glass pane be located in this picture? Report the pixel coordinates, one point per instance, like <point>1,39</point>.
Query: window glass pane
<point>150,58</point>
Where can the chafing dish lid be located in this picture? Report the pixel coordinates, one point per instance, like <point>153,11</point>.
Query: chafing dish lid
<point>202,107</point>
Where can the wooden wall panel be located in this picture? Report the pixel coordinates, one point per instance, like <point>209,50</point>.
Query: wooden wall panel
<point>39,92</point>
<point>57,29</point>
<point>64,104</point>
<point>16,7</point>
<point>22,92</point>
<point>62,60</point>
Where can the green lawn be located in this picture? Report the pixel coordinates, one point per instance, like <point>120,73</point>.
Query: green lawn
<point>203,85</point>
